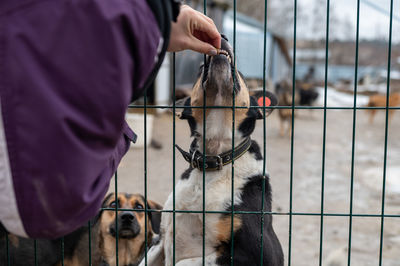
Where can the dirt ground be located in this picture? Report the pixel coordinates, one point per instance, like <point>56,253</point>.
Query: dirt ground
<point>307,182</point>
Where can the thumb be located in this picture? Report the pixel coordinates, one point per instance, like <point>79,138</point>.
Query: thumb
<point>202,47</point>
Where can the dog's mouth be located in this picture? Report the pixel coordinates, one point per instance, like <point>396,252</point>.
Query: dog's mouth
<point>219,74</point>
<point>125,231</point>
<point>217,65</point>
<point>128,233</point>
<point>226,54</point>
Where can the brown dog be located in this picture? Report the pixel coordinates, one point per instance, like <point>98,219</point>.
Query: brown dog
<point>305,95</point>
<point>284,93</point>
<point>379,100</point>
<point>128,224</point>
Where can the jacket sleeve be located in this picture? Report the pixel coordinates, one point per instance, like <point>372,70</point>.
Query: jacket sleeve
<point>68,70</point>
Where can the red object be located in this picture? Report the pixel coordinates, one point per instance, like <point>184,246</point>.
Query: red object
<point>261,101</point>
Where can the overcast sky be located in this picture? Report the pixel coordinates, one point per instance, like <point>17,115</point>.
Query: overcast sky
<point>372,22</point>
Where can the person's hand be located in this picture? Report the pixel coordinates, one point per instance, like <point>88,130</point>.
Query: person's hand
<point>193,30</point>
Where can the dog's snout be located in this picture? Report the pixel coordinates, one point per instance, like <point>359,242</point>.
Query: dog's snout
<point>127,216</point>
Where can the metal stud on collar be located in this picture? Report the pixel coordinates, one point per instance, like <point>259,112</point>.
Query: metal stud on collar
<point>220,163</point>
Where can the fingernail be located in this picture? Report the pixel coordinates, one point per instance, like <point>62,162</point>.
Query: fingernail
<point>213,52</point>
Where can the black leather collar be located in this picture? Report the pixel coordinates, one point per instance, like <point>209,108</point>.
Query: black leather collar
<point>214,162</point>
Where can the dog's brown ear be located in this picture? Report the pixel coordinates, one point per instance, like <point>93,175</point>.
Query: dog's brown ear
<point>267,99</point>
<point>154,205</point>
<point>155,217</point>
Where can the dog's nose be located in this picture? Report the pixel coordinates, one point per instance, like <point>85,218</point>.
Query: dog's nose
<point>127,216</point>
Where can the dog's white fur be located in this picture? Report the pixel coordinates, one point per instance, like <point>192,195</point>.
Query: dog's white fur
<point>219,135</point>
<point>189,196</point>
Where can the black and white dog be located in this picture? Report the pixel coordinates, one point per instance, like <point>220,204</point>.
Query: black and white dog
<point>216,82</point>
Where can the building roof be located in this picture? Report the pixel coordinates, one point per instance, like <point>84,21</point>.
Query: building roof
<point>250,44</point>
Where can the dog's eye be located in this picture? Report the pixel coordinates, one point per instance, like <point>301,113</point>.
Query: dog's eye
<point>113,204</point>
<point>139,206</point>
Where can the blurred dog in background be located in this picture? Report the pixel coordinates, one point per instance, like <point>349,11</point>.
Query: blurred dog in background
<point>379,100</point>
<point>305,95</point>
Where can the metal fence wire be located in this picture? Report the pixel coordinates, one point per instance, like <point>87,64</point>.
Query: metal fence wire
<point>322,214</point>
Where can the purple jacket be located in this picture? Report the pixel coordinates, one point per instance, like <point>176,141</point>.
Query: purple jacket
<point>68,70</point>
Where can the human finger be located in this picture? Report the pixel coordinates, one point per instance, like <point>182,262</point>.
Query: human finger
<point>201,46</point>
<point>206,18</point>
<point>207,29</point>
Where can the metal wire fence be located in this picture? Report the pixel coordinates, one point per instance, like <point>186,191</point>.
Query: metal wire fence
<point>322,214</point>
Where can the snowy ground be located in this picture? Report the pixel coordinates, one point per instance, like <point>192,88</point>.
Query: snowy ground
<point>306,181</point>
<point>339,99</point>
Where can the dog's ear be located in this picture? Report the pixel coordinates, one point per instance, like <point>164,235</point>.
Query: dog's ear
<point>155,217</point>
<point>103,205</point>
<point>260,99</point>
<point>183,108</point>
